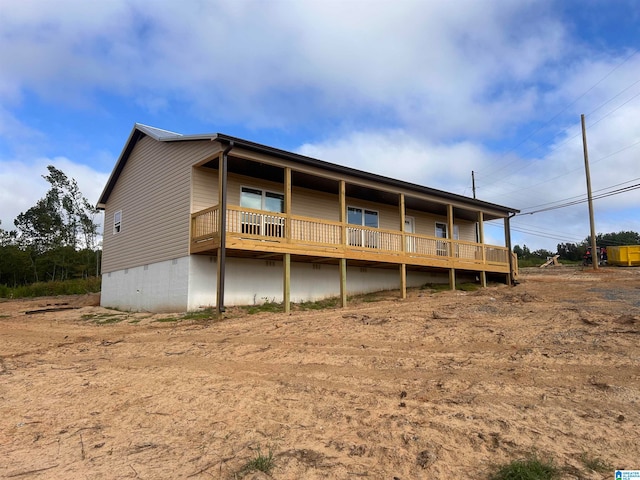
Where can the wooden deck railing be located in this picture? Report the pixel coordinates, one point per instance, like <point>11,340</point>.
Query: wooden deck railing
<point>250,224</point>
<point>204,224</point>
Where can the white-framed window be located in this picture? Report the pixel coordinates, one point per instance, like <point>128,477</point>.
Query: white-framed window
<point>364,217</point>
<point>259,199</point>
<point>442,232</point>
<point>257,223</point>
<point>117,222</point>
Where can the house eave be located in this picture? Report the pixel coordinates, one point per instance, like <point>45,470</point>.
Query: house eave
<point>140,130</point>
<point>343,170</point>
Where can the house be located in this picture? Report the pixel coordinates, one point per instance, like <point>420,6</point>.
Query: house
<point>212,220</point>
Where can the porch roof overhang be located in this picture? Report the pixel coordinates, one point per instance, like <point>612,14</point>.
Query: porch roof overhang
<point>140,130</point>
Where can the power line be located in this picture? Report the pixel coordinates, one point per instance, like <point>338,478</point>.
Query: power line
<point>612,98</point>
<point>580,196</point>
<point>520,189</point>
<point>614,110</point>
<point>626,59</point>
<point>551,236</point>
<point>555,235</point>
<point>595,197</point>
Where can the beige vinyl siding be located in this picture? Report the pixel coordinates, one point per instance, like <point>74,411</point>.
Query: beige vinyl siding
<point>314,204</point>
<point>204,189</point>
<point>425,224</point>
<point>153,193</point>
<point>467,230</point>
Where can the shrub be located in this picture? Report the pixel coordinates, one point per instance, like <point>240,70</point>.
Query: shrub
<point>261,462</point>
<point>77,286</point>
<point>531,468</point>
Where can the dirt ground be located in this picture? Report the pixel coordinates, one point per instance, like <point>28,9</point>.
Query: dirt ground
<point>441,385</point>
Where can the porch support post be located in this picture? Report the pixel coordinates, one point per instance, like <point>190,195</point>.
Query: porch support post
<point>286,263</point>
<point>343,212</point>
<point>507,243</point>
<point>343,282</point>
<point>452,271</point>
<point>343,239</point>
<point>286,259</point>
<point>483,273</point>
<point>222,227</point>
<point>403,247</point>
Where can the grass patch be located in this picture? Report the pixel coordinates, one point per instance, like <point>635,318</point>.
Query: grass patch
<point>104,318</point>
<point>261,462</point>
<point>319,304</point>
<point>531,468</point>
<point>200,316</point>
<point>595,464</point>
<point>467,287</point>
<point>438,287</point>
<point>206,314</point>
<point>371,297</point>
<point>167,319</point>
<point>269,307</point>
<point>78,286</point>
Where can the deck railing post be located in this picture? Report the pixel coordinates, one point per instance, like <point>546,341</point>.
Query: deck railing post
<point>483,273</point>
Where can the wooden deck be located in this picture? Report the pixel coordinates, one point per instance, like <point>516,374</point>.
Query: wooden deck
<point>261,231</point>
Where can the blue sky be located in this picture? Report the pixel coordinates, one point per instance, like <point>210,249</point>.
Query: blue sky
<point>424,91</point>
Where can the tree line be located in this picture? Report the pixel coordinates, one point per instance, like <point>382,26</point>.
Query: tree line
<point>574,252</point>
<point>56,239</point>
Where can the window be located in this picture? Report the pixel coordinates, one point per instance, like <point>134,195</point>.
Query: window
<point>117,222</point>
<point>255,223</point>
<point>360,237</point>
<point>261,200</point>
<point>441,232</point>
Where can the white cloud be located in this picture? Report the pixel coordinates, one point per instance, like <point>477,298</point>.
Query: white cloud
<point>431,66</point>
<point>397,154</point>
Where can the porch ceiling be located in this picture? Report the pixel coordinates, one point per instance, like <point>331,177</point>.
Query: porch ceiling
<point>251,168</point>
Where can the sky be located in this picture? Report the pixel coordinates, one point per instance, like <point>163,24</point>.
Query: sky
<point>425,91</point>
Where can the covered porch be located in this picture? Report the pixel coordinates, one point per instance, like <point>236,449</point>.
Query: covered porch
<point>313,213</point>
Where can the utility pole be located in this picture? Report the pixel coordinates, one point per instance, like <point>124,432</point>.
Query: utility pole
<point>595,256</point>
<point>473,183</point>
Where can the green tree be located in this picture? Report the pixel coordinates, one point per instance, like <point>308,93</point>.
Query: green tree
<point>542,254</point>
<point>59,232</point>
<point>7,237</point>
<point>571,251</point>
<point>62,218</point>
<point>615,238</point>
<point>522,252</point>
